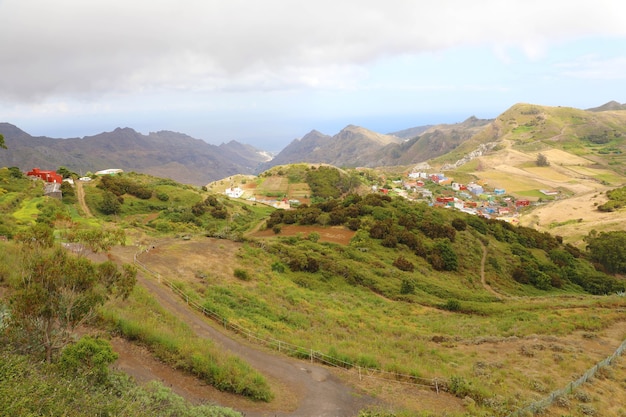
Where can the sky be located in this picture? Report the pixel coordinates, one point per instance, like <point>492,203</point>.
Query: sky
<point>265,72</point>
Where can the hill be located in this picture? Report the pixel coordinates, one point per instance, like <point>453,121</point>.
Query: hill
<point>166,154</point>
<point>611,105</point>
<point>492,315</point>
<point>358,147</point>
<point>352,146</point>
<point>585,153</point>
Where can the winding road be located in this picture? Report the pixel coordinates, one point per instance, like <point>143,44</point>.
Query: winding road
<point>305,389</point>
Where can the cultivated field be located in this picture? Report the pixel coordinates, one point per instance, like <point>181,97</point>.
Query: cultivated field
<point>573,214</point>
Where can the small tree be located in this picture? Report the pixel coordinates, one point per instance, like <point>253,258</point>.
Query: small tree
<point>89,358</point>
<point>59,292</point>
<point>2,145</point>
<point>542,160</point>
<point>110,203</point>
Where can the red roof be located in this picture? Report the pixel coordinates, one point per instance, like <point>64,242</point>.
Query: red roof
<point>48,176</point>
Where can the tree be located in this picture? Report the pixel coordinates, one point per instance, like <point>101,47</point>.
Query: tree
<point>2,145</point>
<point>542,160</point>
<point>66,173</point>
<point>59,292</point>
<point>110,203</point>
<point>608,249</point>
<point>97,240</point>
<point>443,257</point>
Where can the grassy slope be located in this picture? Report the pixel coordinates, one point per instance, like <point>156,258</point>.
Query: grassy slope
<point>580,169</point>
<point>511,349</point>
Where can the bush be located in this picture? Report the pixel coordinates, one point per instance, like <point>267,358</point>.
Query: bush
<point>407,287</point>
<point>452,305</point>
<point>403,264</point>
<point>459,224</point>
<point>88,357</point>
<point>242,274</point>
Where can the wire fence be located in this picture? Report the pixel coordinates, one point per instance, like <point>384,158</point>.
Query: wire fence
<point>538,406</point>
<point>436,384</point>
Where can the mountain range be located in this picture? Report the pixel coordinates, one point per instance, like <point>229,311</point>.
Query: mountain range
<point>164,154</point>
<point>193,161</point>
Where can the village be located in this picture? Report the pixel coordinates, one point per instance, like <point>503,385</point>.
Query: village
<point>435,189</point>
<point>475,198</point>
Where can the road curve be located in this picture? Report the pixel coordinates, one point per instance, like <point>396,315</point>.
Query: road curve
<point>317,391</point>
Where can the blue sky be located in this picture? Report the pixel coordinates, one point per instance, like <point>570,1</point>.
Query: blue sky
<point>267,72</point>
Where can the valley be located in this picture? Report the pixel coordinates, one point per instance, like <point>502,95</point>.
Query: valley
<point>355,290</point>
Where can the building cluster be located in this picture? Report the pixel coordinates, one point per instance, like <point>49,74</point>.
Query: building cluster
<point>473,198</point>
<point>53,180</point>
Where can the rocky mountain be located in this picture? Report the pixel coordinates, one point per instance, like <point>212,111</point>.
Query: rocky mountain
<point>356,146</point>
<point>164,154</point>
<point>353,146</point>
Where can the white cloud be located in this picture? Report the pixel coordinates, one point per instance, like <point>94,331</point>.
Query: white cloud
<point>590,67</point>
<point>88,48</point>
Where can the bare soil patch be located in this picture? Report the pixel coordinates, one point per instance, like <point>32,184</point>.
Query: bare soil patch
<point>333,234</point>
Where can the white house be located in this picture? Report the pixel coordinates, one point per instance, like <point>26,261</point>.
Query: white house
<point>109,172</point>
<point>234,192</point>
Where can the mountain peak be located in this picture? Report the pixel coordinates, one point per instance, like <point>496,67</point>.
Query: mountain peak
<point>610,106</point>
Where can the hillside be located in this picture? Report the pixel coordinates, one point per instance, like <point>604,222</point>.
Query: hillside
<point>166,154</point>
<point>585,153</point>
<point>352,146</point>
<point>358,147</point>
<point>428,309</point>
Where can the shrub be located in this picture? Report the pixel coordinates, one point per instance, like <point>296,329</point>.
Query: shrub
<point>88,357</point>
<point>403,264</point>
<point>278,267</point>
<point>407,287</point>
<point>452,305</point>
<point>459,224</point>
<point>242,274</point>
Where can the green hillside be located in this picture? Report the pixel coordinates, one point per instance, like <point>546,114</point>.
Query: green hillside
<point>599,136</point>
<point>413,292</point>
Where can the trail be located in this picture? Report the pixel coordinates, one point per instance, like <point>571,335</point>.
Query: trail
<point>483,281</point>
<point>80,194</point>
<point>304,389</point>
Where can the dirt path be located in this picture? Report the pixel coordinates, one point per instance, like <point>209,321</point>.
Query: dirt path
<point>301,388</point>
<point>80,194</point>
<point>482,274</point>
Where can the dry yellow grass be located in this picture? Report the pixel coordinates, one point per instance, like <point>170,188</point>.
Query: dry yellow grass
<point>575,213</point>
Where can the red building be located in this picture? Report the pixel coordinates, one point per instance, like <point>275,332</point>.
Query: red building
<point>48,176</point>
<point>522,203</point>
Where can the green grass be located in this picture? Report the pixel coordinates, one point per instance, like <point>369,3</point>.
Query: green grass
<point>28,211</point>
<point>29,388</point>
<point>142,319</point>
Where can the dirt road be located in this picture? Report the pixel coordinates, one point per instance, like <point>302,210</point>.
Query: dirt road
<point>301,388</point>
<point>80,194</point>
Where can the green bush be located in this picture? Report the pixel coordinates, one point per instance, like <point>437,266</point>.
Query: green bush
<point>88,357</point>
<point>242,274</point>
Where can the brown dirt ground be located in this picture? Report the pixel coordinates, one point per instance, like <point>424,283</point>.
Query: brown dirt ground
<point>339,234</point>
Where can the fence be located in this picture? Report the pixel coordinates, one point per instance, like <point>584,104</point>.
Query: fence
<point>546,402</point>
<point>436,384</point>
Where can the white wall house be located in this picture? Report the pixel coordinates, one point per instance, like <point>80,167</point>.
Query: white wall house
<point>234,192</point>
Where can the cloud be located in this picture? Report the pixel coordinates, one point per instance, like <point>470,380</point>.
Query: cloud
<point>78,48</point>
<point>591,67</point>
